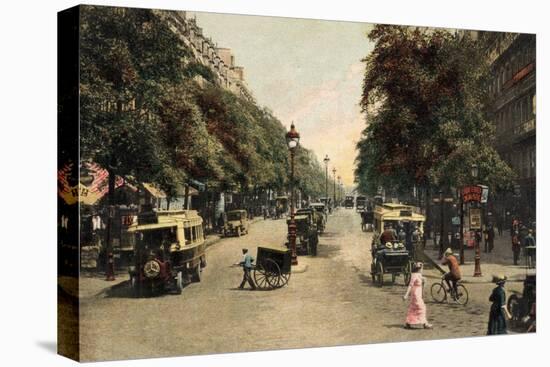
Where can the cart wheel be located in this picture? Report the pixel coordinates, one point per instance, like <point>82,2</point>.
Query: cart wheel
<point>439,294</point>
<point>285,277</point>
<point>260,277</point>
<point>273,274</point>
<point>407,273</point>
<point>379,274</point>
<point>267,275</point>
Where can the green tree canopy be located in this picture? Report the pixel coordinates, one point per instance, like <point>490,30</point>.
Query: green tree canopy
<point>424,95</point>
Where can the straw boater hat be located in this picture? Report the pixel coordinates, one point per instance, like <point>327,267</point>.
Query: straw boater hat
<point>389,245</point>
<point>448,252</point>
<point>499,278</point>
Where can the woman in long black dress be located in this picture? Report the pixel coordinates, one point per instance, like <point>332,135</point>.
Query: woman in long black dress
<point>499,313</point>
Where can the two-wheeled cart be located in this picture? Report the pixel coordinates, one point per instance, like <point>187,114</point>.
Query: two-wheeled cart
<point>273,267</point>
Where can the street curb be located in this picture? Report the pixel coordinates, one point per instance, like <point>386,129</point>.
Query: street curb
<point>298,269</point>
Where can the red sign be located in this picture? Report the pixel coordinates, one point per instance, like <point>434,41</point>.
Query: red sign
<point>471,193</point>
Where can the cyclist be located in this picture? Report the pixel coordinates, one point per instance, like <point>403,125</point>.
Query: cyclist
<point>453,276</point>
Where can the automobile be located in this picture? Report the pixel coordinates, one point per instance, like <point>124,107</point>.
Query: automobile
<point>169,251</point>
<point>321,210</point>
<point>307,237</point>
<point>237,223</point>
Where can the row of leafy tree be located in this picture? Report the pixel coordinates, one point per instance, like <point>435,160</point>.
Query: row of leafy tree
<point>144,116</point>
<point>425,97</point>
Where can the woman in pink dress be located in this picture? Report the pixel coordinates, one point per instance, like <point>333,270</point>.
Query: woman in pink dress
<point>416,315</point>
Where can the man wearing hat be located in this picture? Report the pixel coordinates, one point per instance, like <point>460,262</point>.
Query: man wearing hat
<point>454,275</point>
<point>246,263</point>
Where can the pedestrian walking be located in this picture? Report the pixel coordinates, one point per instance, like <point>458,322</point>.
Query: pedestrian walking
<point>489,238</point>
<point>416,313</point>
<point>500,225</point>
<point>246,263</point>
<point>529,248</point>
<point>499,312</point>
<point>516,247</point>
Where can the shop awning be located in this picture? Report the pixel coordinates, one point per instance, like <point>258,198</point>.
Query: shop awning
<point>154,191</point>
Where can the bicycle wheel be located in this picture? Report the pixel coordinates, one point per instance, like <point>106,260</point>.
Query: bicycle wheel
<point>439,294</point>
<point>461,295</point>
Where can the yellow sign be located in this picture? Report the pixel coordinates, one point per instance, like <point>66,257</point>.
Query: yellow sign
<point>475,218</point>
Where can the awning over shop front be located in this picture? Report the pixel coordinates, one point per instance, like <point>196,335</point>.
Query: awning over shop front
<point>154,191</point>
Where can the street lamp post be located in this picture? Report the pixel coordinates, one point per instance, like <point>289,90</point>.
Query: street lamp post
<point>334,187</point>
<point>326,160</point>
<point>339,189</point>
<point>477,235</point>
<point>292,140</point>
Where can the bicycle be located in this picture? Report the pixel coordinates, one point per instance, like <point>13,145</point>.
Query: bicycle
<point>440,290</point>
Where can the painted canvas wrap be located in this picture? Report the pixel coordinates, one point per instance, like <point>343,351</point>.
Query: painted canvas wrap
<point>233,183</point>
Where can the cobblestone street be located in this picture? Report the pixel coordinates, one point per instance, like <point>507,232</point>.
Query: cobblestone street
<point>332,303</point>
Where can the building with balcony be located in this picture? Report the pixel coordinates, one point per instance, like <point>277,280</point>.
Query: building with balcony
<point>512,88</point>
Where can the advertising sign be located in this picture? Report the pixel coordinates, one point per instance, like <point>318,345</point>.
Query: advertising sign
<point>475,218</point>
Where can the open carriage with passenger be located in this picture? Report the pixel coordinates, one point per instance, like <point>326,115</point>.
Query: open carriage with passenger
<point>397,231</point>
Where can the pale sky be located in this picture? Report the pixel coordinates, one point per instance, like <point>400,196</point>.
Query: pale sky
<point>306,71</point>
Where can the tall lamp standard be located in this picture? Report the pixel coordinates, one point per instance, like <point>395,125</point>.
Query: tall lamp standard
<point>334,187</point>
<point>292,140</point>
<point>326,160</point>
<point>339,189</point>
<point>477,258</point>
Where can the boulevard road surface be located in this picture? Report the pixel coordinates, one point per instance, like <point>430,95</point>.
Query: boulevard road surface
<point>333,303</point>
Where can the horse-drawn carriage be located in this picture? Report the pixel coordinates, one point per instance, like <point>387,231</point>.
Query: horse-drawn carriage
<point>389,254</point>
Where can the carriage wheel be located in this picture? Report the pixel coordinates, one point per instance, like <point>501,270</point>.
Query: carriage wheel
<point>285,277</point>
<point>273,274</point>
<point>407,273</point>
<point>379,274</point>
<point>267,275</point>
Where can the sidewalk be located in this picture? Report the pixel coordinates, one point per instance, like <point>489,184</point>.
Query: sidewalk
<point>93,284</point>
<point>499,261</point>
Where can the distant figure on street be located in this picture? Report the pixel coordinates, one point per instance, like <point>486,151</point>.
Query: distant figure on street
<point>529,248</point>
<point>402,235</point>
<point>416,314</point>
<point>499,313</point>
<point>489,238</point>
<point>516,247</point>
<point>454,275</point>
<point>246,263</point>
<point>500,225</point>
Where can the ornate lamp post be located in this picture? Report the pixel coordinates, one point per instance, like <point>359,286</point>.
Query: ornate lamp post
<point>477,258</point>
<point>292,140</point>
<point>334,187</point>
<point>326,160</point>
<point>339,189</point>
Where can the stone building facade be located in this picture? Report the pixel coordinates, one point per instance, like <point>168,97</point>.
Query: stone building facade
<point>219,60</point>
<point>512,88</point>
